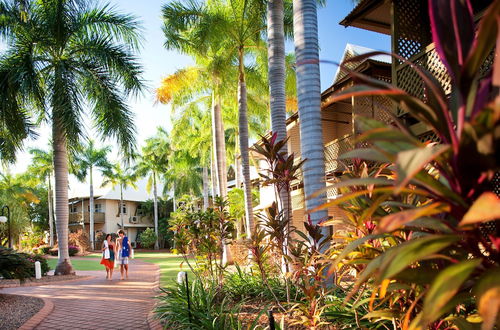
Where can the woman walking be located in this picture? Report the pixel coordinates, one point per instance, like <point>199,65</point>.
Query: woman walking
<point>108,256</point>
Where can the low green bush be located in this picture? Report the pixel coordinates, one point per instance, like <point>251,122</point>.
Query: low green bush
<point>73,250</point>
<point>242,285</point>
<point>209,308</point>
<point>17,265</point>
<point>148,238</point>
<point>44,249</point>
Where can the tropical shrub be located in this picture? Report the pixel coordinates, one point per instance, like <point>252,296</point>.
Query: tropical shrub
<point>148,238</point>
<point>44,249</point>
<point>241,286</point>
<point>17,265</point>
<point>80,239</point>
<point>207,309</point>
<point>31,240</point>
<point>203,235</point>
<point>424,253</point>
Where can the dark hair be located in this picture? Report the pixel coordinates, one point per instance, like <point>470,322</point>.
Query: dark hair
<point>106,238</point>
<point>121,232</point>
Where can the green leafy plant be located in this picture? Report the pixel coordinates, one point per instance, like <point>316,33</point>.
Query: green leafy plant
<point>17,265</point>
<point>203,235</point>
<point>148,238</point>
<point>31,240</point>
<point>208,309</point>
<point>431,260</point>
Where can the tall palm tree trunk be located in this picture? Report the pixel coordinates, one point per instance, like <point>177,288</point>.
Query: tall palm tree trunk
<point>277,95</point>
<point>121,206</point>
<point>237,168</point>
<point>219,146</point>
<point>155,209</point>
<point>205,188</point>
<point>91,210</point>
<point>83,214</point>
<point>305,26</point>
<point>243,131</point>
<point>51,212</point>
<point>64,266</point>
<point>213,173</point>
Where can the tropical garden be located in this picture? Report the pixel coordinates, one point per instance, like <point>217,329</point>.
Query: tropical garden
<point>417,245</point>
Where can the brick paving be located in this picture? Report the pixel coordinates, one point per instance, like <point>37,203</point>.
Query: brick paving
<point>97,303</point>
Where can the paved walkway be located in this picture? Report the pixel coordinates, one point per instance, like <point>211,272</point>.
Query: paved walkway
<point>97,303</point>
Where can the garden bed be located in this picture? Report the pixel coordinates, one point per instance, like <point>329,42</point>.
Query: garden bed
<point>4,283</point>
<point>16,310</point>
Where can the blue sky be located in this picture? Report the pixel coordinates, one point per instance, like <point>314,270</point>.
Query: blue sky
<point>158,62</point>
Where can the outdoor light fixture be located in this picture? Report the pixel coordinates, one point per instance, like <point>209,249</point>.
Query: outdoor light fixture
<point>4,218</point>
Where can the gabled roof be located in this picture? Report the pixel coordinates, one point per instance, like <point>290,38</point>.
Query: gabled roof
<point>351,51</point>
<point>372,15</point>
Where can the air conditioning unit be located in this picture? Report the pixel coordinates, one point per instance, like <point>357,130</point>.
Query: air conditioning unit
<point>134,219</point>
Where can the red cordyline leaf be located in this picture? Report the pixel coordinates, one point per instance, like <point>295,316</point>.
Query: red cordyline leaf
<point>274,137</point>
<point>452,20</point>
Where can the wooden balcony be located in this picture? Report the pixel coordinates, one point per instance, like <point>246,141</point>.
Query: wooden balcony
<point>99,217</point>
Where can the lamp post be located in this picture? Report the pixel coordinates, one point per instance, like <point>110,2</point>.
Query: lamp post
<point>4,218</point>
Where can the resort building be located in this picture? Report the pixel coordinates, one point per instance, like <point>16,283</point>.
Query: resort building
<point>107,213</point>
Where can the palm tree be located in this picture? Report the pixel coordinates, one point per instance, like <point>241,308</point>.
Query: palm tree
<point>153,161</point>
<point>42,165</point>
<point>71,52</point>
<point>305,25</point>
<point>277,78</point>
<point>232,26</point>
<point>205,80</point>
<point>86,160</point>
<point>192,132</point>
<point>184,175</point>
<point>116,175</point>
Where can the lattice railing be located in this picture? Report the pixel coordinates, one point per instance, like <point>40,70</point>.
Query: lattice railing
<point>298,199</point>
<point>332,152</point>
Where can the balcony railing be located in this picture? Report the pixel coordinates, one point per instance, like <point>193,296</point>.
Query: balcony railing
<point>333,150</point>
<point>99,217</point>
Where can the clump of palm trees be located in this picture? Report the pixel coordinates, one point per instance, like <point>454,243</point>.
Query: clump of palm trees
<point>64,54</point>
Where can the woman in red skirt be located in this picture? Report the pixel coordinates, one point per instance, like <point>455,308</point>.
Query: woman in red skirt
<point>108,256</point>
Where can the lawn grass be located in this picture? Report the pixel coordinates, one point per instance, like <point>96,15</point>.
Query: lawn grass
<point>170,264</point>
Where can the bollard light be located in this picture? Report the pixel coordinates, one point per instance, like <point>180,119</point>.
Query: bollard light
<point>180,277</point>
<point>4,218</point>
<point>38,270</point>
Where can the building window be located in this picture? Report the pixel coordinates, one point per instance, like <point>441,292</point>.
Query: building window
<point>124,208</point>
<point>97,208</point>
<point>73,208</point>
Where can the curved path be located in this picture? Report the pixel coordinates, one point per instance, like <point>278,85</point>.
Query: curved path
<point>97,303</point>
